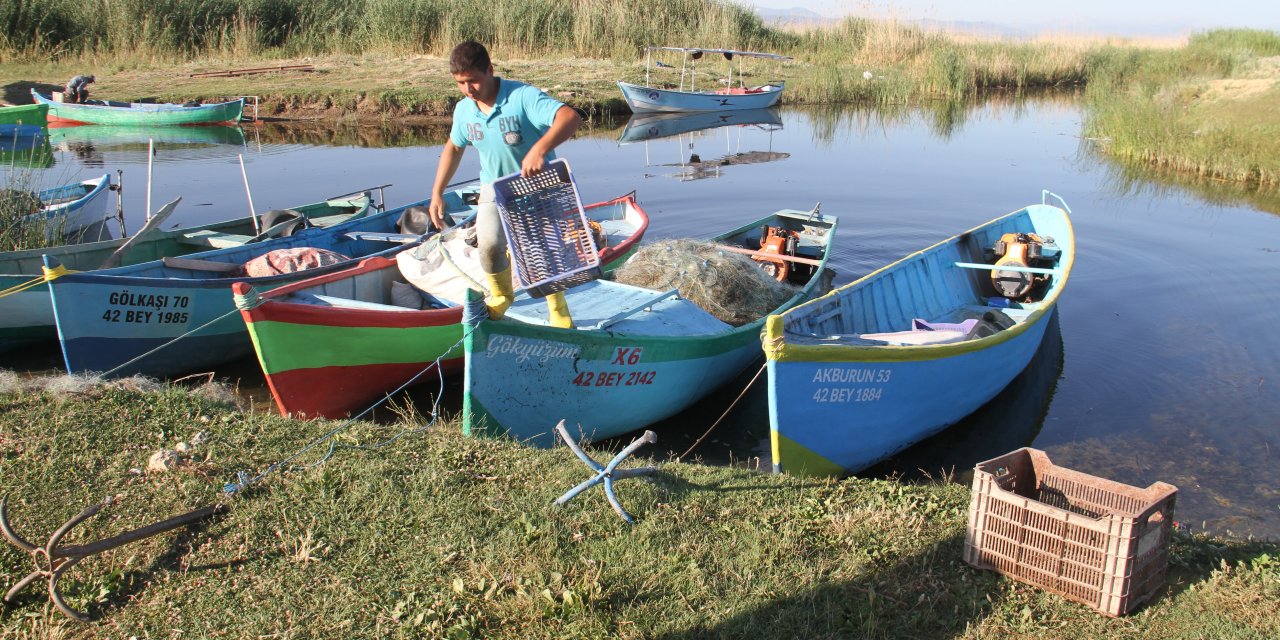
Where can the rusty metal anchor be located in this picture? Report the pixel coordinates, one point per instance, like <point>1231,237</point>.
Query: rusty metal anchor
<point>51,561</point>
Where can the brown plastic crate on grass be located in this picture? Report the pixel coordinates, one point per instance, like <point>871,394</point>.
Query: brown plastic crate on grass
<point>1091,540</point>
<point>550,239</point>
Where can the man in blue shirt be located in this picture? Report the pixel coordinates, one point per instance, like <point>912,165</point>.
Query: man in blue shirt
<point>77,89</point>
<point>514,127</point>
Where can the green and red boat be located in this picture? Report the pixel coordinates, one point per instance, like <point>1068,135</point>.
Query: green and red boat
<point>333,344</point>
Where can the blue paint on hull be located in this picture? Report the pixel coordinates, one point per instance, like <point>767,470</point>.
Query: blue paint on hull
<point>880,408</point>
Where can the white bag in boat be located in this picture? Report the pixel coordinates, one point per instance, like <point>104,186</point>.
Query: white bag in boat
<point>447,268</point>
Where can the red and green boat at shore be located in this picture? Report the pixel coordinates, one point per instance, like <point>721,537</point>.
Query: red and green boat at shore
<point>334,344</point>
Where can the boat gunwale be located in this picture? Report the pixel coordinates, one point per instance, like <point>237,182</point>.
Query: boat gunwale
<point>778,349</point>
<point>707,340</point>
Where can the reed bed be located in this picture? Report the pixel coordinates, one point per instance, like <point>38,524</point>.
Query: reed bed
<point>1207,109</point>
<point>173,29</point>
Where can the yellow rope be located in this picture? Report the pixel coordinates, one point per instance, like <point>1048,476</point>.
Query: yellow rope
<point>47,275</point>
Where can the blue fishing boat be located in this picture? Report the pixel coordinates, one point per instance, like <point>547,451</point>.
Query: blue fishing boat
<point>686,96</point>
<point>70,208</point>
<point>636,355</point>
<point>902,353</point>
<point>26,314</point>
<point>120,321</point>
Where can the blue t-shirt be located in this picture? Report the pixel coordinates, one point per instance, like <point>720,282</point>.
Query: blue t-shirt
<point>521,114</point>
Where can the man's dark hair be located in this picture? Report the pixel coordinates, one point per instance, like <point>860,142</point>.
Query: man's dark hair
<point>469,56</point>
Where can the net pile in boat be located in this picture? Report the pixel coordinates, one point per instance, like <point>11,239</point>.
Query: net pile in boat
<point>729,286</point>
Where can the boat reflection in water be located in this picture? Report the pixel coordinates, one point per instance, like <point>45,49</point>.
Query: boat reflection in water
<point>750,126</point>
<point>96,145</point>
<point>26,151</point>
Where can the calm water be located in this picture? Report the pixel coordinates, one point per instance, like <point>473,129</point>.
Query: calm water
<point>1165,364</point>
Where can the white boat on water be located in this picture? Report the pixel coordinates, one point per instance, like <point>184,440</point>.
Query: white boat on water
<point>723,94</point>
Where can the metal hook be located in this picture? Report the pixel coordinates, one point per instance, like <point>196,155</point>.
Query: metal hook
<point>606,474</point>
<point>51,561</point>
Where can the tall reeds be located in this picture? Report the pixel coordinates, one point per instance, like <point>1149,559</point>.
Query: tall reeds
<point>1206,109</point>
<point>183,28</point>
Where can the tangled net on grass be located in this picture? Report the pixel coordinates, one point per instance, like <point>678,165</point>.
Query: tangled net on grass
<point>729,286</point>
<point>90,385</point>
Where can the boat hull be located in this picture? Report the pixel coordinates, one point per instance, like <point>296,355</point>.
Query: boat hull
<point>522,377</point>
<point>842,417</point>
<point>26,317</point>
<point>330,361</point>
<point>839,403</point>
<point>23,121</point>
<point>106,319</point>
<point>162,114</point>
<point>642,99</point>
<point>79,205</point>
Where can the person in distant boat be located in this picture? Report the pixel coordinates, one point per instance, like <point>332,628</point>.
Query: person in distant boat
<point>515,128</point>
<point>77,90</point>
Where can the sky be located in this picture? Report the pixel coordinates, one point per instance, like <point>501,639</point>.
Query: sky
<point>1131,16</point>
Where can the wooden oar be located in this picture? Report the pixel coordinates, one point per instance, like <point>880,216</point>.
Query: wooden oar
<point>152,224</point>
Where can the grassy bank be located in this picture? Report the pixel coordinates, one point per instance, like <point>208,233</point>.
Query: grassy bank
<point>1210,109</point>
<point>435,535</point>
<point>1204,108</point>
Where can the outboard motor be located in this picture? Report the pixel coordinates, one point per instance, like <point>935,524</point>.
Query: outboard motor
<point>1022,250</point>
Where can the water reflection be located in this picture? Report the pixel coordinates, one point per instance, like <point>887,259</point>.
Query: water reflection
<point>1129,178</point>
<point>386,134</point>
<point>689,132</point>
<point>99,145</point>
<point>26,152</point>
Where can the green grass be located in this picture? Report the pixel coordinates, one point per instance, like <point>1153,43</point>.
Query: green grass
<point>19,200</point>
<point>1208,110</point>
<point>437,535</point>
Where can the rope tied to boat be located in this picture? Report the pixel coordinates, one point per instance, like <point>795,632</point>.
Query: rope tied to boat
<point>251,299</point>
<point>46,275</point>
<point>244,480</point>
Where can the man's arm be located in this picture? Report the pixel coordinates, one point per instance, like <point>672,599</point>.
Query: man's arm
<point>450,157</point>
<point>562,128</point>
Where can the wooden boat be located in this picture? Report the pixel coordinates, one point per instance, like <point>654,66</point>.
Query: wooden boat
<point>687,96</point>
<point>108,318</point>
<point>26,314</point>
<point>636,356</point>
<point>334,343</point>
<point>70,208</point>
<point>900,354</point>
<point>642,127</point>
<point>112,112</point>
<point>23,120</point>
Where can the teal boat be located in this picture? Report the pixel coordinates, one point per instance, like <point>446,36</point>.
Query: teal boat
<point>26,315</point>
<point>139,113</point>
<point>908,350</point>
<point>636,356</point>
